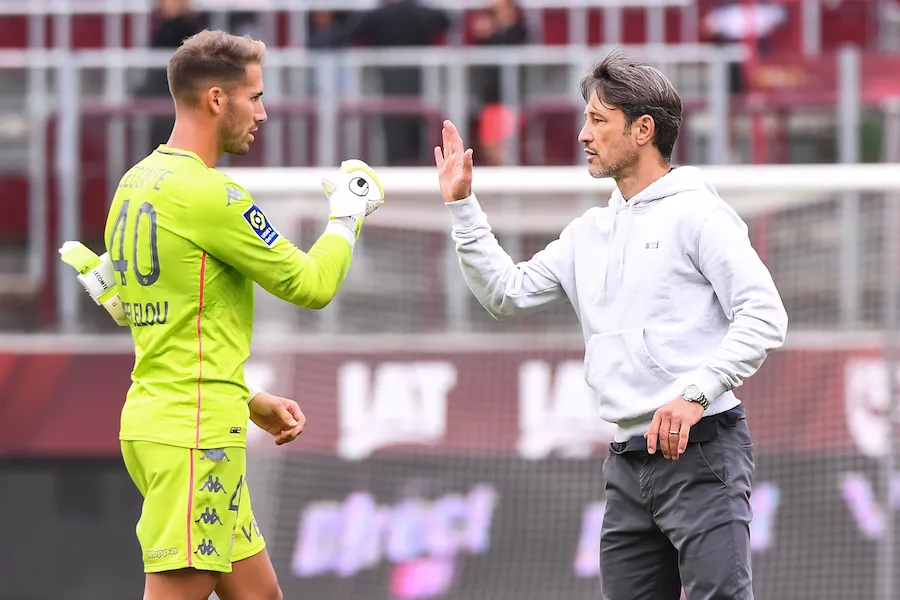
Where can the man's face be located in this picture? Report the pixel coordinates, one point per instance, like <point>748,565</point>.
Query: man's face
<point>608,143</point>
<point>243,113</point>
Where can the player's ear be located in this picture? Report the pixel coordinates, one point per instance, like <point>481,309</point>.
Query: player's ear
<point>215,99</point>
<point>643,129</point>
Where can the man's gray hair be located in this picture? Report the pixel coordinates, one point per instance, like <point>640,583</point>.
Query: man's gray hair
<point>637,89</point>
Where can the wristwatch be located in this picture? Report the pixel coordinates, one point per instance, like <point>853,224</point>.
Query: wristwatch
<point>692,393</point>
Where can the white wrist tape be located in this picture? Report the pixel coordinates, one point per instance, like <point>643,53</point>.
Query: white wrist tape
<point>253,392</point>
<point>344,227</point>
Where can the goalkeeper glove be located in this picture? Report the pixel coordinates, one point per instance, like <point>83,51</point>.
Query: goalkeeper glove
<point>354,192</point>
<point>96,275</point>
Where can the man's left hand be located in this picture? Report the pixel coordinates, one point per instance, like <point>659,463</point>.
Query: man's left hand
<point>279,416</point>
<point>671,425</point>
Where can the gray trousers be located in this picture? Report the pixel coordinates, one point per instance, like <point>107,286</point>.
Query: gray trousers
<point>669,524</point>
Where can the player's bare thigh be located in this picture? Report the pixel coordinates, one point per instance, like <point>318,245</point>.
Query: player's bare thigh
<point>183,584</point>
<point>252,578</point>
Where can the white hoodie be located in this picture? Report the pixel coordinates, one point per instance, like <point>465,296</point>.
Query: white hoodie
<point>667,287</point>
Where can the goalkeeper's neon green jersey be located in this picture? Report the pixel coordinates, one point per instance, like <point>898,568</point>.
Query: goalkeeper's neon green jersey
<point>186,244</point>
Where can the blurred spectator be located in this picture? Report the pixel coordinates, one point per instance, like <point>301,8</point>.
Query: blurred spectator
<point>496,124</point>
<point>401,23</point>
<point>741,22</point>
<point>325,30</point>
<point>502,24</point>
<point>737,21</point>
<point>177,21</point>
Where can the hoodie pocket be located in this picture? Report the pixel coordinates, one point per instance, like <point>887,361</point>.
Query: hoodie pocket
<point>621,370</point>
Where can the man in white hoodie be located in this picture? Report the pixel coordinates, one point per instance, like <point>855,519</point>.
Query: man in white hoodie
<point>676,308</point>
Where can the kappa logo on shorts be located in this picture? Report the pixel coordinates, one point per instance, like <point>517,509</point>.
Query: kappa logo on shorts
<point>215,455</point>
<point>206,548</point>
<point>210,517</point>
<point>211,485</point>
<point>152,554</point>
<point>260,225</point>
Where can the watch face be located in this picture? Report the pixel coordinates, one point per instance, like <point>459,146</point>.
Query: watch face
<point>691,392</point>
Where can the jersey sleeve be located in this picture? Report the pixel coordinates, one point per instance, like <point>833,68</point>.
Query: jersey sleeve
<point>228,225</point>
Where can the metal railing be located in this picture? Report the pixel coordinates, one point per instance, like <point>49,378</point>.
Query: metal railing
<point>63,7</point>
<point>60,12</point>
<point>57,94</point>
<point>138,13</point>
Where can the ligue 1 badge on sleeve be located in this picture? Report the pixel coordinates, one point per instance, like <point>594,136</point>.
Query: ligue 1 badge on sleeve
<point>260,225</point>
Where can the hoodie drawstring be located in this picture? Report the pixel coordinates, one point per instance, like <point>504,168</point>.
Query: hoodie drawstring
<point>619,205</point>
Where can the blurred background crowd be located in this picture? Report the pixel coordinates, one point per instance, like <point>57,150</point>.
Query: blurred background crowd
<point>779,41</point>
<point>406,23</point>
<point>83,92</point>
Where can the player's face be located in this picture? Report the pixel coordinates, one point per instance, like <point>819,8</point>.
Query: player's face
<point>244,114</point>
<point>609,147</point>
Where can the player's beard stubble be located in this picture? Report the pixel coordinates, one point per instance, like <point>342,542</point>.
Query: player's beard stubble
<point>615,163</point>
<point>233,135</point>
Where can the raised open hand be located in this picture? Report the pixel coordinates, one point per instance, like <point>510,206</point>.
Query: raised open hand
<point>454,163</point>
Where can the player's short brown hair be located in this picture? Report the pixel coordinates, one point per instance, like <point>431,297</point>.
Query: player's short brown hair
<point>637,89</point>
<point>211,58</point>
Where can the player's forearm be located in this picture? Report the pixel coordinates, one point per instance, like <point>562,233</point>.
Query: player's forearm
<point>332,255</point>
<point>759,325</point>
<point>504,288</point>
<point>314,278</point>
<point>748,296</point>
<point>742,352</point>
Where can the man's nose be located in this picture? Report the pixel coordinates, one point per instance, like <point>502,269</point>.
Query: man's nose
<point>584,136</point>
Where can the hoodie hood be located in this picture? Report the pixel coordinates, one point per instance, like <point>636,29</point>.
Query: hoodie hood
<point>676,181</point>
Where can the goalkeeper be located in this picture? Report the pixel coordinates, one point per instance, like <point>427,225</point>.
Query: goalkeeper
<point>185,244</point>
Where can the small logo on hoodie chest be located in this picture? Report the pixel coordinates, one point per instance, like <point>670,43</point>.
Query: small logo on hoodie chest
<point>651,245</point>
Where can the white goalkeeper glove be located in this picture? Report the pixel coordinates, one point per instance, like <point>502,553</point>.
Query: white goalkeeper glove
<point>95,274</point>
<point>354,192</point>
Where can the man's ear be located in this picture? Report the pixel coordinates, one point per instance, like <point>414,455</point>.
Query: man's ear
<point>216,99</point>
<point>644,128</point>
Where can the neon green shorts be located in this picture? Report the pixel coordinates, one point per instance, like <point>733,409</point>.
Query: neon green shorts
<point>207,525</point>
